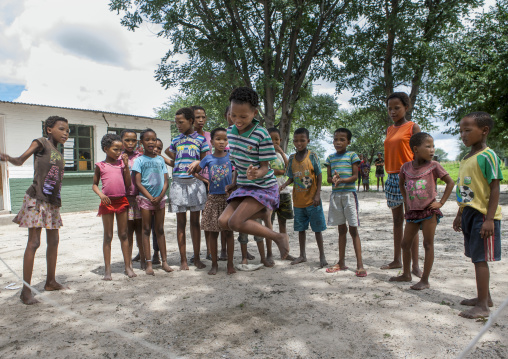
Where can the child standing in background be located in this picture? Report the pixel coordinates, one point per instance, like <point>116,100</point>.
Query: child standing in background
<point>364,171</point>
<point>130,145</point>
<point>188,192</point>
<point>257,192</point>
<point>42,202</point>
<point>304,170</point>
<point>115,177</point>
<point>342,169</point>
<point>151,176</point>
<point>359,172</point>
<point>220,171</point>
<point>285,210</point>
<point>479,215</point>
<point>417,180</point>
<point>380,170</point>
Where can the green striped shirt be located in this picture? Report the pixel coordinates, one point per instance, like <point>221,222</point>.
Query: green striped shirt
<point>251,148</point>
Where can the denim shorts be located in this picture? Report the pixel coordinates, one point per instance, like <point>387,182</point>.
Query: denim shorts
<point>313,215</point>
<point>475,247</point>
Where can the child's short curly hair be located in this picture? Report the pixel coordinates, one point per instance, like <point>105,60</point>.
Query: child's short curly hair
<point>51,122</point>
<point>402,96</point>
<point>417,139</point>
<point>187,112</point>
<point>215,130</point>
<point>108,139</point>
<point>241,95</point>
<point>482,119</point>
<point>144,132</point>
<point>126,131</point>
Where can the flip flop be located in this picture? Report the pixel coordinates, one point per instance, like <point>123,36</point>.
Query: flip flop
<point>358,274</point>
<point>248,267</point>
<point>335,268</point>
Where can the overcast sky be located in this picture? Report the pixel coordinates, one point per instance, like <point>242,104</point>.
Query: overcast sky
<point>76,54</point>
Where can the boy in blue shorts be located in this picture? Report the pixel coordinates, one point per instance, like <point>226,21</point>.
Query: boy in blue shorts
<point>479,215</point>
<point>342,173</point>
<point>304,170</point>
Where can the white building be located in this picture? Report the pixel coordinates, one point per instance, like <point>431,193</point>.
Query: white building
<point>21,123</point>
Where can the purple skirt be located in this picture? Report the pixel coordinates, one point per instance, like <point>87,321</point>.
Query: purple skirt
<point>415,216</point>
<point>268,197</point>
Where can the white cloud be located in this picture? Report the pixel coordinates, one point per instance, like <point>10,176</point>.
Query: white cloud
<point>76,54</point>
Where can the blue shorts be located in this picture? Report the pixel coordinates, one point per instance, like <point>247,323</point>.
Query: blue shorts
<point>313,215</point>
<point>475,247</point>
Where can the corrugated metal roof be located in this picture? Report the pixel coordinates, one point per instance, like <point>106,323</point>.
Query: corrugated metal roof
<point>80,109</point>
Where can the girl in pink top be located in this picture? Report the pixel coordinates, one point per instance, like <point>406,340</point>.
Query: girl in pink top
<point>418,187</point>
<point>115,177</point>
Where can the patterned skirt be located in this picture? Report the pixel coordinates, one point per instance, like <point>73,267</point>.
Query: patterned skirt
<point>35,213</point>
<point>268,197</point>
<point>215,205</point>
<point>392,191</point>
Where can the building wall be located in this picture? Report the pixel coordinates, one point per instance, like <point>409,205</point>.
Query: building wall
<point>23,123</point>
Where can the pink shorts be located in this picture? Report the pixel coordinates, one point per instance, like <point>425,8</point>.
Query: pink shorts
<point>134,212</point>
<point>144,203</point>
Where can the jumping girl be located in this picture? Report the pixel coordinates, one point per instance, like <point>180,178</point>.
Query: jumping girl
<point>115,177</point>
<point>418,187</point>
<point>255,190</point>
<point>42,202</point>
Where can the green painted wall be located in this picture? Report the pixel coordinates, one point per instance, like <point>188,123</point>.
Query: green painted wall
<point>77,194</point>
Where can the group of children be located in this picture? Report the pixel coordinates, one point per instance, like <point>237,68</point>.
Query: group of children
<point>243,183</point>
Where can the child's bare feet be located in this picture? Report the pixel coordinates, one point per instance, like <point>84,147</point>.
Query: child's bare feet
<point>299,260</point>
<point>27,297</point>
<point>184,265</point>
<point>322,262</point>
<point>417,272</point>
<point>472,302</point>
<point>289,257</point>
<point>130,273</point>
<point>421,285</point>
<point>107,275</point>
<point>231,268</point>
<point>475,312</point>
<point>392,265</point>
<point>198,264</point>
<point>166,267</point>
<point>269,259</point>
<point>149,269</point>
<point>267,263</point>
<point>401,278</point>
<point>142,264</point>
<point>54,285</point>
<point>214,269</point>
<point>283,245</point>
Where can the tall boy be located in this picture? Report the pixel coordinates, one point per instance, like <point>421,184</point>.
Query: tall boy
<point>304,170</point>
<point>479,215</point>
<point>342,172</point>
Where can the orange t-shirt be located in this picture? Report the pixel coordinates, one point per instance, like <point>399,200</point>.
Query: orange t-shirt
<point>397,150</point>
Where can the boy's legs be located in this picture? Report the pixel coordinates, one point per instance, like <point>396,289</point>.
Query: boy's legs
<point>301,224</point>
<point>107,223</point>
<point>319,241</point>
<point>410,232</point>
<point>481,307</point>
<point>429,230</point>
<point>121,225</point>
<point>146,224</point>
<point>155,245</point>
<point>181,222</point>
<point>195,231</point>
<point>342,246</point>
<point>303,256</point>
<point>212,242</point>
<point>161,238</point>
<point>357,245</point>
<point>52,237</point>
<point>230,241</point>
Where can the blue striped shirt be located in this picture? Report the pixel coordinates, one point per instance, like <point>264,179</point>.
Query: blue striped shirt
<point>187,149</point>
<point>343,165</point>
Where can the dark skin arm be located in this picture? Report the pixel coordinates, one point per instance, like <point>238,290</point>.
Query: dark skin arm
<point>95,187</point>
<point>170,154</point>
<point>231,187</point>
<point>336,180</point>
<point>316,201</point>
<point>126,171</point>
<point>288,182</point>
<point>18,161</point>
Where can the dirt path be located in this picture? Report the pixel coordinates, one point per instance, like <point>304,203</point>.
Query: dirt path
<point>283,312</point>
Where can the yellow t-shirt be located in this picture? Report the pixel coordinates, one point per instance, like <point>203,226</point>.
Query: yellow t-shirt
<point>475,175</point>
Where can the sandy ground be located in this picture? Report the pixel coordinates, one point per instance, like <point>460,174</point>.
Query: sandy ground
<point>283,312</point>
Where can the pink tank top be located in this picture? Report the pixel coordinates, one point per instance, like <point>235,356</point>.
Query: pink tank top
<point>113,184</point>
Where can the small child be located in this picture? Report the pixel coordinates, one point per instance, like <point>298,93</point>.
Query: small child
<point>479,215</point>
<point>285,210</point>
<point>188,192</point>
<point>364,171</point>
<point>359,173</point>
<point>251,151</point>
<point>115,177</point>
<point>418,187</point>
<point>151,177</point>
<point>342,169</point>
<point>304,170</point>
<point>130,147</point>
<point>220,170</point>
<point>42,201</point>
<point>379,162</point>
